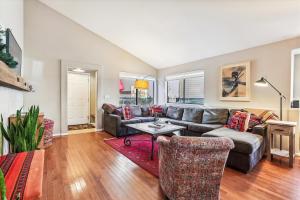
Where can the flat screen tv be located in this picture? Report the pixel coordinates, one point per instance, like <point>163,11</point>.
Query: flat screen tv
<point>14,49</point>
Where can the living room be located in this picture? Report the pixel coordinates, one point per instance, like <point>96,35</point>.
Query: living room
<point>190,100</point>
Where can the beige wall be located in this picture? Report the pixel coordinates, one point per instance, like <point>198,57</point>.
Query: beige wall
<point>11,16</point>
<point>51,37</point>
<point>272,61</point>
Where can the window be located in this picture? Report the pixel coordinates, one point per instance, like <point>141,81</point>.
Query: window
<point>186,88</point>
<point>295,90</point>
<point>128,93</point>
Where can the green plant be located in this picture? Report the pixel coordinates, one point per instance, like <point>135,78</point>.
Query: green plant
<point>2,186</point>
<point>6,56</point>
<point>21,134</point>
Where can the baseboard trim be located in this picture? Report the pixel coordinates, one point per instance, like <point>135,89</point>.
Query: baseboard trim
<point>59,134</point>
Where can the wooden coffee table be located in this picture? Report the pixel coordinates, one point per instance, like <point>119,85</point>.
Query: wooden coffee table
<point>154,132</point>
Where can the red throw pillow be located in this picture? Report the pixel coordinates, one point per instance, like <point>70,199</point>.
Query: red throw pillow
<point>239,121</point>
<point>127,113</point>
<point>156,109</point>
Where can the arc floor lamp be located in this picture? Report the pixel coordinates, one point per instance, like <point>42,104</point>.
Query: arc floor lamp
<point>140,84</point>
<point>262,82</point>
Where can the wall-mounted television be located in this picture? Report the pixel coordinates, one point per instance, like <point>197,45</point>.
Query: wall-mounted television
<point>15,50</point>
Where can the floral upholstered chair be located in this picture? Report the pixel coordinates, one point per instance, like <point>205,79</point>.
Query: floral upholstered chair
<point>191,168</point>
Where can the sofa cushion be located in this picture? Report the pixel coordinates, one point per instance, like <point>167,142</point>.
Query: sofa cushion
<point>174,112</point>
<point>136,110</point>
<point>203,128</point>
<point>130,121</point>
<point>119,112</point>
<point>145,111</point>
<point>145,119</point>
<point>179,122</point>
<point>244,142</point>
<point>215,116</point>
<point>192,115</point>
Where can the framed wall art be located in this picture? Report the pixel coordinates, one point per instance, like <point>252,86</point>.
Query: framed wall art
<point>235,82</point>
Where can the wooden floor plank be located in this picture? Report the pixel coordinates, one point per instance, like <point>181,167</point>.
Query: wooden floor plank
<point>82,166</point>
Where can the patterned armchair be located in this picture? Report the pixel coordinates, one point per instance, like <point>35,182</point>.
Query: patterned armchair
<point>191,168</point>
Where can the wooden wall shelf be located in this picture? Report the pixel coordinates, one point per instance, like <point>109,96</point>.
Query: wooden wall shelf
<point>11,80</point>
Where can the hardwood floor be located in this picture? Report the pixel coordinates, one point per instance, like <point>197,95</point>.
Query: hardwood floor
<point>84,167</point>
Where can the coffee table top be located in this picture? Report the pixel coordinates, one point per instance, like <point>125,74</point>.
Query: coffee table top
<point>168,128</point>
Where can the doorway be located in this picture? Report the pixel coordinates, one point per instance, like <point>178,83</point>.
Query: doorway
<point>95,72</point>
<point>81,100</point>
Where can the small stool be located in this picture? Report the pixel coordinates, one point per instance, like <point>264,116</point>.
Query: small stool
<point>282,128</point>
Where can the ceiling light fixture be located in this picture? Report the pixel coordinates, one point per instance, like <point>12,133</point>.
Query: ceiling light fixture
<point>78,70</point>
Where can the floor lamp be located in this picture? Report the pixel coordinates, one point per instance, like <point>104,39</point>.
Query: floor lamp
<point>140,84</point>
<point>262,82</point>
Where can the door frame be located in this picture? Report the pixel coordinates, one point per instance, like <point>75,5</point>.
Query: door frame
<point>65,65</point>
<point>89,91</point>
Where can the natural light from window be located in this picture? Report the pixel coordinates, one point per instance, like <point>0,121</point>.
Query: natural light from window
<point>131,96</point>
<point>186,88</point>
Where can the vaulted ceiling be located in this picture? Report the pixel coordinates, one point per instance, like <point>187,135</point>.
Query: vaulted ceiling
<point>165,33</point>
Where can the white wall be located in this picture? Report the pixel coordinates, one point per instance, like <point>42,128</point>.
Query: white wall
<point>272,61</point>
<point>11,16</point>
<point>51,37</point>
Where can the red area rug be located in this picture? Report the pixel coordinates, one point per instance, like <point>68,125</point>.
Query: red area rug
<point>139,152</point>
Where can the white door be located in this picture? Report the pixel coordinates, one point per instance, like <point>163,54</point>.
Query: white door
<point>78,98</point>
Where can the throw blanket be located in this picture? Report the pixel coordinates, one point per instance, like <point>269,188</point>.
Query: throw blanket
<point>23,174</point>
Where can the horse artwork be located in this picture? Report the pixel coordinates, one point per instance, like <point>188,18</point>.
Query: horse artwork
<point>235,82</point>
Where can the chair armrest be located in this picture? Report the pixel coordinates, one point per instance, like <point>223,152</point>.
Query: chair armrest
<point>202,143</point>
<point>162,140</point>
<point>112,124</point>
<point>260,129</point>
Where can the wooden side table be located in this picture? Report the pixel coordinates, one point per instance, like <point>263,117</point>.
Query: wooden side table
<point>282,128</point>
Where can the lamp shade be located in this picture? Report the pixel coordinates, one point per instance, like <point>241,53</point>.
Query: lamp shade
<point>141,84</point>
<point>261,82</point>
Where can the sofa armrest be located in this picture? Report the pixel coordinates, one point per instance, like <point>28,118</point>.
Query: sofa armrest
<point>260,129</point>
<point>112,124</point>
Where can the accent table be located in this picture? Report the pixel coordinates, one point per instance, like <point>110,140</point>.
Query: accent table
<point>282,128</point>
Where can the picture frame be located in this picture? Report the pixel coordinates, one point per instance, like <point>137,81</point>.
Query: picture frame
<point>235,82</point>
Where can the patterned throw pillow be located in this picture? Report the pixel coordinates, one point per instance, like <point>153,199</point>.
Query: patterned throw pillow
<point>119,112</point>
<point>268,115</point>
<point>254,120</point>
<point>156,109</point>
<point>127,113</point>
<point>239,121</point>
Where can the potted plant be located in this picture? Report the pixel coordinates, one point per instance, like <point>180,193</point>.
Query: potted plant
<point>2,186</point>
<point>25,133</point>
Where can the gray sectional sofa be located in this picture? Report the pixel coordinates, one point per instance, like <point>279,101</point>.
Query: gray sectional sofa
<point>199,122</point>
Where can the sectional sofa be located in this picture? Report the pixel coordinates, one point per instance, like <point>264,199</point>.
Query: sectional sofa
<point>199,122</point>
